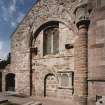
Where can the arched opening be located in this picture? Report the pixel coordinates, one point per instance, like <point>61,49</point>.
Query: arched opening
<point>51,39</point>
<point>50,85</point>
<point>10,82</point>
<point>0,82</point>
<point>49,35</point>
<point>43,27</point>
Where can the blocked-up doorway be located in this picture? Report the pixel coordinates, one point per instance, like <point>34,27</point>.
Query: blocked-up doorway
<point>0,81</point>
<point>10,82</point>
<point>50,85</point>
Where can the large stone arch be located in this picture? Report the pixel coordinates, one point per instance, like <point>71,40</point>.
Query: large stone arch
<point>47,70</point>
<point>41,13</point>
<point>36,31</point>
<point>44,25</point>
<point>44,15</point>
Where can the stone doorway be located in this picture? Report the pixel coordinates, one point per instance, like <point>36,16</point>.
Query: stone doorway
<point>0,82</point>
<point>50,86</point>
<point>10,82</point>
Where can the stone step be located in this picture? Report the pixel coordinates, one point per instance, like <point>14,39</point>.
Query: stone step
<point>3,101</point>
<point>10,93</point>
<point>33,103</point>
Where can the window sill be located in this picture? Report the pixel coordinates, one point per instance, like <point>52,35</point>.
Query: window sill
<point>65,88</point>
<point>53,56</point>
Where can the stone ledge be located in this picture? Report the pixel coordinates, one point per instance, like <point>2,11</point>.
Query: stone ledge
<point>3,100</point>
<point>33,103</point>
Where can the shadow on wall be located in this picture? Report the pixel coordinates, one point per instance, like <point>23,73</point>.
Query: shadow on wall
<point>10,82</point>
<point>0,82</point>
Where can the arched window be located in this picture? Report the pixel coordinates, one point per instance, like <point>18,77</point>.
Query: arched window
<point>51,39</point>
<point>65,80</point>
<point>50,85</point>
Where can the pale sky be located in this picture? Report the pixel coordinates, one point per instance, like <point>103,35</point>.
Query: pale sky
<point>11,13</point>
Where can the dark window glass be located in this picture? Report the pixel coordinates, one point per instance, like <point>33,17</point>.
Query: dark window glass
<point>47,42</point>
<point>56,40</point>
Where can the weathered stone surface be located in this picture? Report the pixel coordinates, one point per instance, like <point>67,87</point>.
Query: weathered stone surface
<point>30,70</point>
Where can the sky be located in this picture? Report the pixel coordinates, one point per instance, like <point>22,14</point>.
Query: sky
<point>11,14</point>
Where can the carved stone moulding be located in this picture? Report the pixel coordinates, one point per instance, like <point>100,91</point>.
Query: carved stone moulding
<point>82,13</point>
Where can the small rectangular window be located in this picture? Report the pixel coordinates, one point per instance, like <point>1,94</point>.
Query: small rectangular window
<point>69,46</point>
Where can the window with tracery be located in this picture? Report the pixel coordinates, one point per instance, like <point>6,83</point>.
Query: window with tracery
<point>51,40</point>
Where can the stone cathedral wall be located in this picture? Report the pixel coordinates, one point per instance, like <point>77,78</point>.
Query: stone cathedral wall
<point>21,38</point>
<point>96,53</point>
<point>57,64</point>
<point>59,10</point>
